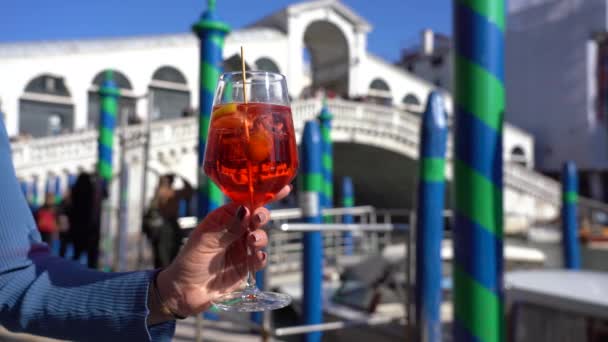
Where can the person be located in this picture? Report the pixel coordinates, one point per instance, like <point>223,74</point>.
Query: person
<point>84,219</point>
<point>46,219</point>
<point>161,222</point>
<point>50,296</point>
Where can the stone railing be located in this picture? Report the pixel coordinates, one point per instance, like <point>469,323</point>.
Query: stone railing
<point>363,123</point>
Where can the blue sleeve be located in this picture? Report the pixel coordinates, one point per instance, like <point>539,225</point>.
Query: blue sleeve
<point>54,297</point>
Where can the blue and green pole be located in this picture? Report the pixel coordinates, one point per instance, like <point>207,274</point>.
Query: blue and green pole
<point>348,201</point>
<point>58,194</point>
<point>479,103</point>
<point>211,33</point>
<point>311,176</point>
<point>35,201</point>
<point>431,198</point>
<point>571,249</point>
<point>108,95</point>
<point>327,158</point>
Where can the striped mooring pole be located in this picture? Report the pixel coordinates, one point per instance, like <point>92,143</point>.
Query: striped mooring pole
<point>479,102</point>
<point>108,95</point>
<point>348,201</point>
<point>311,176</point>
<point>327,159</point>
<point>211,33</point>
<point>35,201</point>
<point>431,198</point>
<point>571,249</point>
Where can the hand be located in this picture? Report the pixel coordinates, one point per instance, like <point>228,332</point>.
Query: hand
<point>214,260</point>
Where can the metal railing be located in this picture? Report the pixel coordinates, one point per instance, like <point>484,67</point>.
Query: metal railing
<point>285,254</point>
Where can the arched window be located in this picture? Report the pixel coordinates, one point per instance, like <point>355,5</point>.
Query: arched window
<point>170,93</point>
<point>410,99</point>
<point>266,64</point>
<point>379,92</point>
<point>518,155</point>
<point>233,63</point>
<point>46,108</point>
<point>126,101</point>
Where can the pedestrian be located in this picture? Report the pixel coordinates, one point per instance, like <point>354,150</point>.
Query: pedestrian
<point>46,219</point>
<point>161,221</point>
<point>84,219</point>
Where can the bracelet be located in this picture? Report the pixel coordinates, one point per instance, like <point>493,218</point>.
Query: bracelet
<point>165,309</point>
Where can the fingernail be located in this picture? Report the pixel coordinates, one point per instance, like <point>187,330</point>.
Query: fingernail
<point>240,214</point>
<point>264,256</point>
<point>259,218</point>
<point>290,187</point>
<point>253,237</point>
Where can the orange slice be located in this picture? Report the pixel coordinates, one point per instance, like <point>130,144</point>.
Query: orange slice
<point>260,144</point>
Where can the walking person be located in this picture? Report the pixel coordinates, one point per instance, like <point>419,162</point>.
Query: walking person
<point>84,220</point>
<point>161,222</point>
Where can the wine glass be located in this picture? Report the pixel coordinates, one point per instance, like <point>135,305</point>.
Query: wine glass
<point>251,155</point>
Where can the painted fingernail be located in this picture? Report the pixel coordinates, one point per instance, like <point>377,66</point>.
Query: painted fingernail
<point>264,256</point>
<point>259,217</point>
<point>253,237</point>
<point>240,214</point>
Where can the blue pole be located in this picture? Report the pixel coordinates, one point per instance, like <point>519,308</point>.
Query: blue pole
<point>71,179</point>
<point>327,192</point>
<point>348,200</point>
<point>182,210</point>
<point>49,187</point>
<point>572,254</point>
<point>35,201</point>
<point>58,194</point>
<point>431,193</point>
<point>258,317</point>
<point>312,185</point>
<point>211,33</point>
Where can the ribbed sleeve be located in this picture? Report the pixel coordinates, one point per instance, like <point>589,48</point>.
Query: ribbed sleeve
<point>54,297</point>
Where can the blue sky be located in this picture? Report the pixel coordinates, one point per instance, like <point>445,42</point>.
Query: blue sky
<point>396,23</point>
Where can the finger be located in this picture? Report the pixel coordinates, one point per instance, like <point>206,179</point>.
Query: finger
<point>258,261</point>
<point>260,217</point>
<point>236,228</point>
<point>257,239</point>
<point>283,193</point>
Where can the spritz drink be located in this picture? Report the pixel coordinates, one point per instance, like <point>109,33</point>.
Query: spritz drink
<point>251,155</point>
<point>251,151</point>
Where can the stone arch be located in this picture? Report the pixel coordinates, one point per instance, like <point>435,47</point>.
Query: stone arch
<point>380,92</point>
<point>170,93</point>
<point>126,101</point>
<point>233,63</point>
<point>267,64</point>
<point>329,53</point>
<point>46,107</point>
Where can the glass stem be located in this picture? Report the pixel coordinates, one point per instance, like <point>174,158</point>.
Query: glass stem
<point>250,281</point>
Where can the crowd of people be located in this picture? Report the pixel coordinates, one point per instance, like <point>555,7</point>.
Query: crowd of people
<point>75,219</point>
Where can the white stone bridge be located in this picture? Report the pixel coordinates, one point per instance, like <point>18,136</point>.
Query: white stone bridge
<point>390,132</point>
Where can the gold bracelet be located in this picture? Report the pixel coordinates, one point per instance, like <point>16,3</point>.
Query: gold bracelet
<point>163,308</point>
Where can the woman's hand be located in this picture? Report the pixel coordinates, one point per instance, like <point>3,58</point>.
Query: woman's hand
<point>214,260</point>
